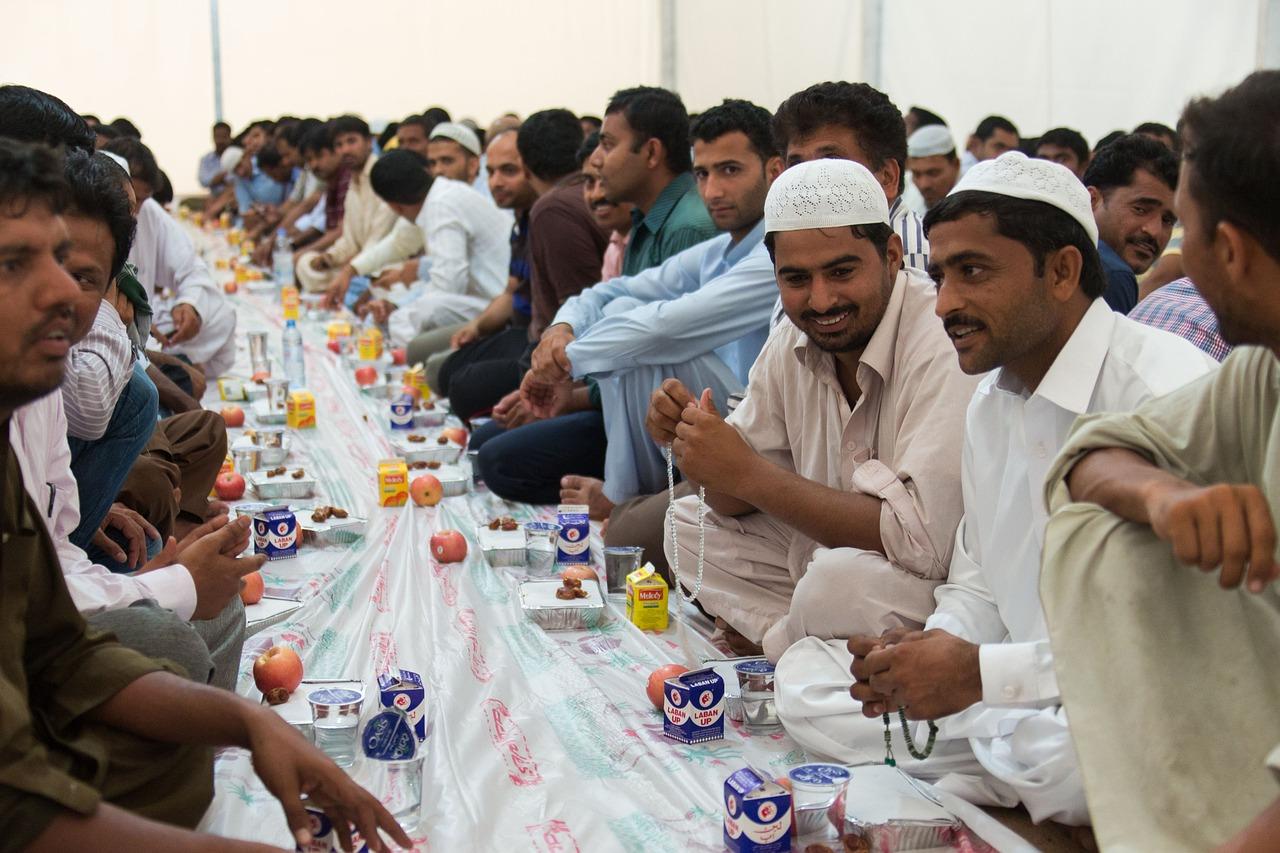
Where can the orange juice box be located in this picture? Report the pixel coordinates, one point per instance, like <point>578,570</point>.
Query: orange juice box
<point>338,329</point>
<point>393,482</point>
<point>289,299</point>
<point>300,411</point>
<point>416,377</point>
<point>647,599</point>
<point>369,344</point>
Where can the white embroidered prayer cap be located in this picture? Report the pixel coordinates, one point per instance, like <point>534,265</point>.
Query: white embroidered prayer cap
<point>824,194</point>
<point>1018,176</point>
<point>930,141</point>
<point>117,159</point>
<point>459,133</point>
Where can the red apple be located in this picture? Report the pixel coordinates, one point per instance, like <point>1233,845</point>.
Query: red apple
<point>449,546</point>
<point>366,375</point>
<point>582,573</point>
<point>261,376</point>
<point>233,415</point>
<point>335,347</point>
<point>278,668</point>
<point>251,592</point>
<point>657,680</point>
<point>230,287</point>
<point>399,356</point>
<point>412,391</point>
<point>229,486</point>
<point>426,490</point>
<point>457,435</point>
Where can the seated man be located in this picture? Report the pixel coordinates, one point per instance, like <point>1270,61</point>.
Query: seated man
<point>319,228</point>
<point>96,742</point>
<point>932,162</point>
<point>192,316</point>
<point>835,485</point>
<point>1013,253</point>
<point>1131,183</point>
<point>465,236</point>
<point>699,319</point>
<point>1066,147</point>
<point>1160,556</point>
<point>366,219</point>
<point>210,173</point>
<point>265,189</point>
<point>1178,307</point>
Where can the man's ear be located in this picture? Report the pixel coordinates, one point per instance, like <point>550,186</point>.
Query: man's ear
<point>1095,199</point>
<point>1062,271</point>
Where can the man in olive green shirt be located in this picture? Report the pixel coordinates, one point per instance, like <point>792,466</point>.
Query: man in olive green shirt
<point>1160,558</point>
<point>99,747</point>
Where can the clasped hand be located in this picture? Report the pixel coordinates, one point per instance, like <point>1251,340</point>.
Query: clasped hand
<point>929,674</point>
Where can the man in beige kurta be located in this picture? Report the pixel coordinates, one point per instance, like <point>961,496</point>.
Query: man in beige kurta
<point>872,430</point>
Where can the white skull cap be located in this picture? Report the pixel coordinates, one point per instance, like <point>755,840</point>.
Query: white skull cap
<point>824,194</point>
<point>459,133</point>
<point>117,159</point>
<point>930,141</point>
<point>1018,176</point>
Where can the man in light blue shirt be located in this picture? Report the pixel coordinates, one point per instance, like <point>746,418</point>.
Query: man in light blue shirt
<point>268,185</point>
<point>210,172</point>
<point>700,317</point>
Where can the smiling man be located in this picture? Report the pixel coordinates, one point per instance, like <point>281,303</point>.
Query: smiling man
<point>835,485</point>
<point>1131,184</point>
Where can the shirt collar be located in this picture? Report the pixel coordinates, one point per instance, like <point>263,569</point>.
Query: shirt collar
<point>735,252</point>
<point>1071,379</point>
<point>893,208</point>
<point>665,203</point>
<point>1110,258</point>
<point>878,355</point>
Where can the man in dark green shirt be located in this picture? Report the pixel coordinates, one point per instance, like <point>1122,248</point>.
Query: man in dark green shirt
<point>99,747</point>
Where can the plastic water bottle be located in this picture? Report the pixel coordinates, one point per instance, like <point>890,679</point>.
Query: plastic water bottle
<point>282,260</point>
<point>295,367</point>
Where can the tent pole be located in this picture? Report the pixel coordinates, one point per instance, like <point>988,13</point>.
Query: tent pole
<point>667,34</point>
<point>216,37</point>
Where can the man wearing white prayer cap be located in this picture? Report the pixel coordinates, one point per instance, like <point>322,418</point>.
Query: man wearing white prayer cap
<point>454,152</point>
<point>1019,284</point>
<point>834,486</point>
<point>932,160</point>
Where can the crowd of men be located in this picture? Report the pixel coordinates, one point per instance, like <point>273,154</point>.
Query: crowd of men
<point>954,433</point>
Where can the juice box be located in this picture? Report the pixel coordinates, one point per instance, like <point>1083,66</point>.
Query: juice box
<point>300,412</point>
<point>338,329</point>
<point>693,705</point>
<point>647,599</point>
<point>275,533</point>
<point>324,838</point>
<point>401,409</point>
<point>402,689</point>
<point>574,547</point>
<point>289,299</point>
<point>757,813</point>
<point>232,388</point>
<point>416,376</point>
<point>369,343</point>
<point>393,482</point>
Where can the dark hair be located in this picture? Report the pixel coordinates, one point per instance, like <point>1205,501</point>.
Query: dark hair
<point>421,122</point>
<point>659,114</point>
<point>594,121</point>
<point>91,119</point>
<point>163,192</point>
<point>30,173</point>
<point>434,116</point>
<point>126,128</point>
<point>1231,145</point>
<point>1037,225</point>
<point>97,192</point>
<point>1157,129</point>
<point>106,131</point>
<point>736,115</point>
<point>590,144</point>
<point>401,176</point>
<point>350,124</point>
<point>317,138</point>
<point>1066,138</point>
<point>142,163</point>
<point>1107,140</point>
<point>868,112</point>
<point>222,125</point>
<point>877,232</point>
<point>924,117</point>
<point>295,132</point>
<point>269,157</point>
<point>388,133</point>
<point>989,125</point>
<point>1114,165</point>
<point>548,142</point>
<point>29,115</point>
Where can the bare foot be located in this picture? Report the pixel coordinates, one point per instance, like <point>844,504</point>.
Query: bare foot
<point>589,491</point>
<point>737,643</point>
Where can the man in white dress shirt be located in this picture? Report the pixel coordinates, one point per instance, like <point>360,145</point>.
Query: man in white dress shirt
<point>1013,253</point>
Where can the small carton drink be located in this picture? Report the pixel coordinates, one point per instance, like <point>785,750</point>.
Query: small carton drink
<point>275,533</point>
<point>417,377</point>
<point>289,299</point>
<point>232,388</point>
<point>757,813</point>
<point>324,838</point>
<point>338,329</point>
<point>301,410</point>
<point>393,482</point>
<point>693,705</point>
<point>403,690</point>
<point>401,409</point>
<point>647,599</point>
<point>369,343</point>
<point>574,547</point>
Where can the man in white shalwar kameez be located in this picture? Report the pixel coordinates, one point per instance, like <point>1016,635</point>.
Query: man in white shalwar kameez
<point>1019,279</point>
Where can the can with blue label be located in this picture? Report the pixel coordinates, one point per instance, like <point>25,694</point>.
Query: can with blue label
<point>275,533</point>
<point>402,412</point>
<point>574,545</point>
<point>757,813</point>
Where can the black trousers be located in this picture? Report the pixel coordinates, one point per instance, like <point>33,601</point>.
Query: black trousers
<point>480,374</point>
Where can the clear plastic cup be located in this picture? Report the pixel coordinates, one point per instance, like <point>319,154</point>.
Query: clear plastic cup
<point>540,538</point>
<point>335,718</point>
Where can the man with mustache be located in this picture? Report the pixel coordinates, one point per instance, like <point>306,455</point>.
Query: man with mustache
<point>1131,184</point>
<point>1019,293</point>
<point>834,487</point>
